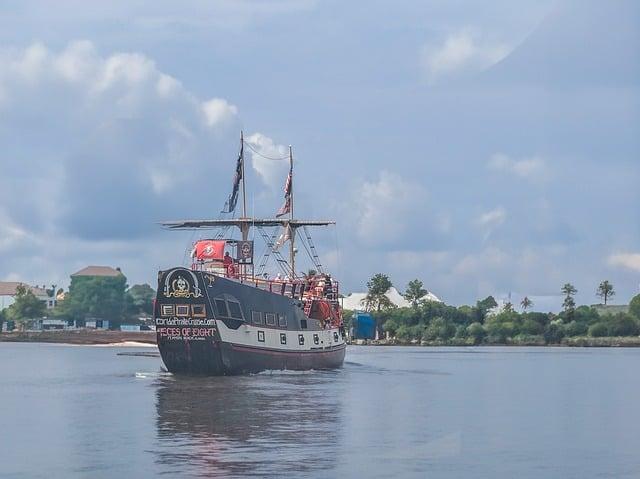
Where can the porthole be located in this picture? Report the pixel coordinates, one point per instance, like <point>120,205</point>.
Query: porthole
<point>168,310</point>
<point>283,338</point>
<point>182,310</point>
<point>301,339</point>
<point>198,310</point>
<point>261,336</point>
<point>316,339</point>
<point>282,321</point>
<point>335,337</point>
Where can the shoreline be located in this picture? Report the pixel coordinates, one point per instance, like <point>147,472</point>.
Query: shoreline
<point>84,337</point>
<point>148,339</point>
<point>572,342</point>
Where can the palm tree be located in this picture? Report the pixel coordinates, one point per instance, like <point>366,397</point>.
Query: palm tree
<point>605,291</point>
<point>526,303</point>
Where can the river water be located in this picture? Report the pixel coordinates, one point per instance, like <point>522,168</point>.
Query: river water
<point>86,411</point>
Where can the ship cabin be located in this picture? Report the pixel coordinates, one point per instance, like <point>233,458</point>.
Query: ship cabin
<point>233,259</point>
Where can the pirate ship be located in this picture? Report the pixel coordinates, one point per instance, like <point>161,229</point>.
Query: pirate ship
<point>223,315</point>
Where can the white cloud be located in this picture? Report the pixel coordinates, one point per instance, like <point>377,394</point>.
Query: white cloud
<point>90,137</point>
<point>460,52</point>
<point>534,168</point>
<point>384,207</point>
<point>218,111</point>
<point>630,261</point>
<point>268,159</point>
<point>492,218</point>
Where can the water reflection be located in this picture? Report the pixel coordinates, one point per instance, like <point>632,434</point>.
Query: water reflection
<point>251,425</point>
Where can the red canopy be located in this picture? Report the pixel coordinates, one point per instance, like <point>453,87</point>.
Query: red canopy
<point>209,249</point>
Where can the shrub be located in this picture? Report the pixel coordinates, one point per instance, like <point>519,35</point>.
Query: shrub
<point>634,306</point>
<point>576,328</point>
<point>477,332</point>
<point>598,330</point>
<point>622,324</point>
<point>554,332</point>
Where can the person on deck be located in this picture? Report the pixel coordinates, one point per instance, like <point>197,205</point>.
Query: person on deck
<point>227,263</point>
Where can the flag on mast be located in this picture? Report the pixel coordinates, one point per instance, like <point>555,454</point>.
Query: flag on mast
<point>283,238</point>
<point>286,207</point>
<point>230,204</point>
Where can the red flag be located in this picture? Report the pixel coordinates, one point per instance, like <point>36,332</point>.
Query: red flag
<point>286,207</point>
<point>209,249</point>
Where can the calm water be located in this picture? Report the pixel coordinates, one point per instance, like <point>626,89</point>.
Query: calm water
<point>75,411</point>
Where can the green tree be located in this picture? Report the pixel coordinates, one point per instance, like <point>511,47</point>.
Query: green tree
<point>390,326</point>
<point>483,307</point>
<point>415,292</point>
<point>598,330</point>
<point>554,332</point>
<point>100,297</point>
<point>569,304</point>
<point>26,305</point>
<point>376,299</point>
<point>477,332</point>
<point>526,303</point>
<point>605,291</point>
<point>139,299</point>
<point>622,324</point>
<point>634,306</point>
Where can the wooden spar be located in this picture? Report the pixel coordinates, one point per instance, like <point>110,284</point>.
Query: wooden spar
<point>292,231</point>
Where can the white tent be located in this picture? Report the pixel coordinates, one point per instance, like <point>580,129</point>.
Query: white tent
<point>356,300</point>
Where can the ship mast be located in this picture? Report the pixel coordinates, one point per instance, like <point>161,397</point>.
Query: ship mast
<point>245,229</point>
<point>244,188</point>
<point>292,231</point>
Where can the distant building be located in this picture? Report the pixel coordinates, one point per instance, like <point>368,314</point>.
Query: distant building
<point>94,323</point>
<point>97,271</point>
<point>130,327</point>
<point>356,301</point>
<point>9,290</point>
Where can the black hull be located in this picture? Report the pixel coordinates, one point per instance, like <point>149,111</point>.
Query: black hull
<point>225,359</point>
<point>196,337</point>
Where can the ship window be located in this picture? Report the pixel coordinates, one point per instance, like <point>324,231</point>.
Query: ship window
<point>168,310</point>
<point>182,310</point>
<point>235,310</point>
<point>261,336</point>
<point>270,319</point>
<point>282,321</point>
<point>221,305</point>
<point>303,324</point>
<point>335,337</point>
<point>198,310</point>
<point>256,317</point>
<point>316,339</point>
<point>283,338</point>
<point>301,339</point>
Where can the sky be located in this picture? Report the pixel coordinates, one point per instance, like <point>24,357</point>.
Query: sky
<point>482,147</point>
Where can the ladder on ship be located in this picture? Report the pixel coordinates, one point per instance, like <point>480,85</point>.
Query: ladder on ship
<point>311,250</point>
<point>270,240</point>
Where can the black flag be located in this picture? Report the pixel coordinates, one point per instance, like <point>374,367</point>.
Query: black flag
<point>230,205</point>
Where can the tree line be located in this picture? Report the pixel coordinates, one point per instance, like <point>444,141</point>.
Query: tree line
<point>100,297</point>
<point>484,323</point>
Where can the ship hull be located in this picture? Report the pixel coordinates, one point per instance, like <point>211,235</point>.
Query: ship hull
<point>213,343</point>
